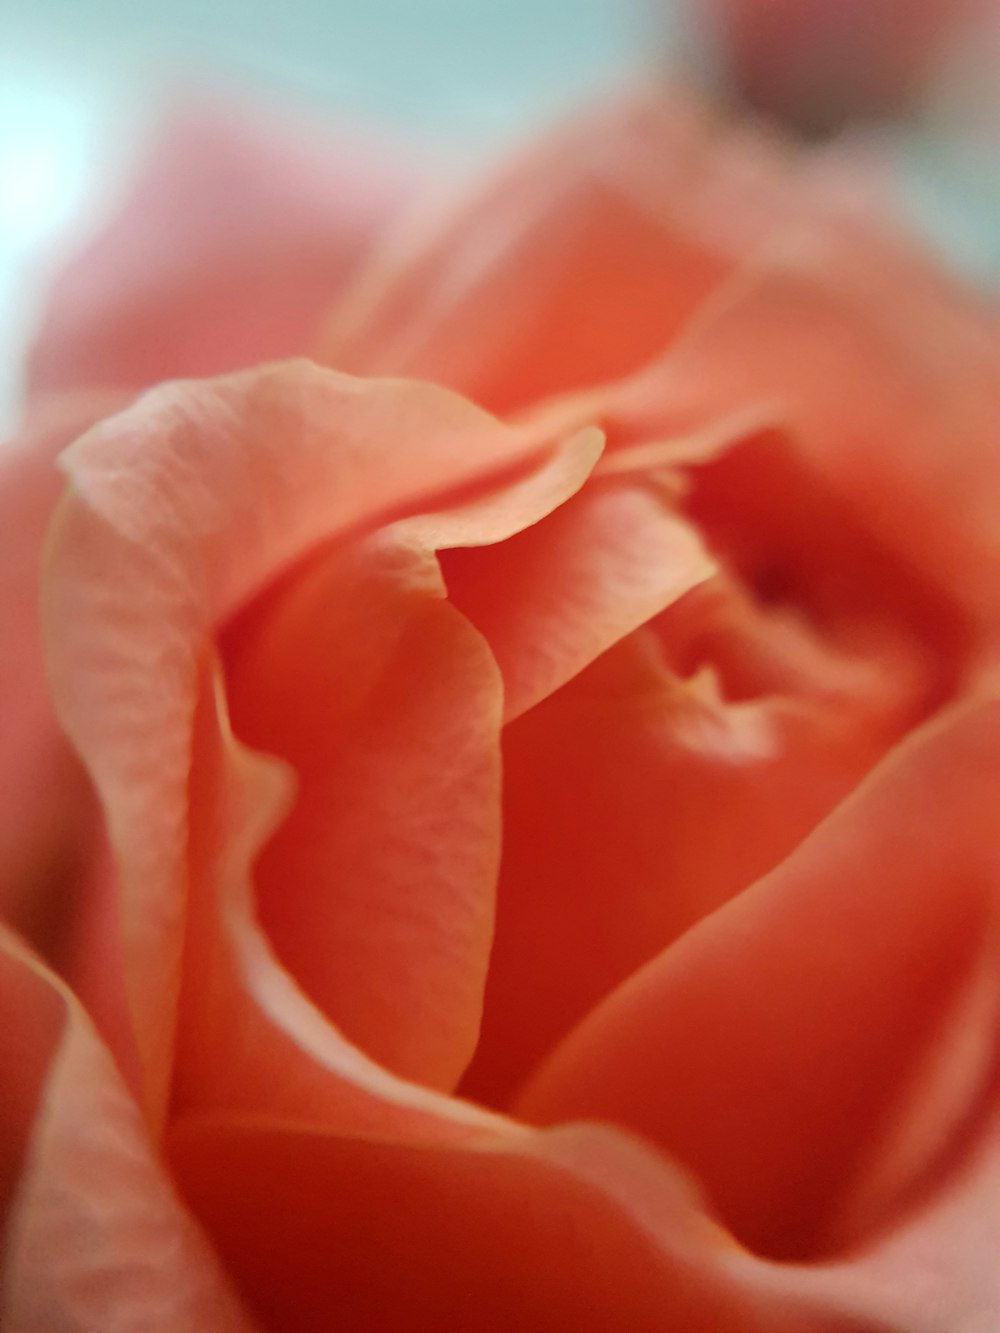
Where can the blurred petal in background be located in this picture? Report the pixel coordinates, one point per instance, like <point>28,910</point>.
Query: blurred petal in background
<point>909,86</point>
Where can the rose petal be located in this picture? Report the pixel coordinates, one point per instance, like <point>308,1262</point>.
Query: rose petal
<point>331,1184</point>
<point>44,808</point>
<point>577,1230</point>
<point>636,802</point>
<point>850,304</point>
<point>157,544</point>
<point>95,1237</point>
<point>377,891</point>
<point>575,265</point>
<point>554,597</point>
<point>228,250</point>
<point>812,1049</point>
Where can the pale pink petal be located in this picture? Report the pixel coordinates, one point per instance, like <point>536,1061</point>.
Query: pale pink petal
<point>227,252</point>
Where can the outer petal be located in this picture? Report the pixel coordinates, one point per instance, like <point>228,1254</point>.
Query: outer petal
<point>816,1049</point>
<point>227,252</point>
<point>44,808</point>
<point>164,537</point>
<point>95,1236</point>
<point>575,265</point>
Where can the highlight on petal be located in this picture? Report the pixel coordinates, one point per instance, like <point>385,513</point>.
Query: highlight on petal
<point>814,1051</point>
<point>182,508</point>
<point>574,265</point>
<point>938,1264</point>
<point>230,246</point>
<point>95,1236</point>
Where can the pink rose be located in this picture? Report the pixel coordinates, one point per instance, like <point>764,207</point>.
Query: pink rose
<point>817,63</point>
<point>547,873</point>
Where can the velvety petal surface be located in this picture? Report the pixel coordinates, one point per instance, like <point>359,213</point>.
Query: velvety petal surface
<point>814,1050</point>
<point>229,247</point>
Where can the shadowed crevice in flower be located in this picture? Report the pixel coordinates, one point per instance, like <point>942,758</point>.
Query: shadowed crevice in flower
<point>804,561</point>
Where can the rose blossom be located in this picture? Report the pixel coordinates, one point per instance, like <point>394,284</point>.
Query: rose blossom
<point>549,857</point>
<point>819,63</point>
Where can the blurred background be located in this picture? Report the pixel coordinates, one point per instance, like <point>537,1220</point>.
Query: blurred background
<point>84,83</point>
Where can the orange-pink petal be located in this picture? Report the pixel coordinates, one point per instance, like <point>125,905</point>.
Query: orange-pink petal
<point>574,265</point>
<point>813,1050</point>
<point>179,510</point>
<point>909,449</point>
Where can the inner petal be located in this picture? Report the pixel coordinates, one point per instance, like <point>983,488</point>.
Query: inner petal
<point>812,1050</point>
<point>377,891</point>
<point>636,802</point>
